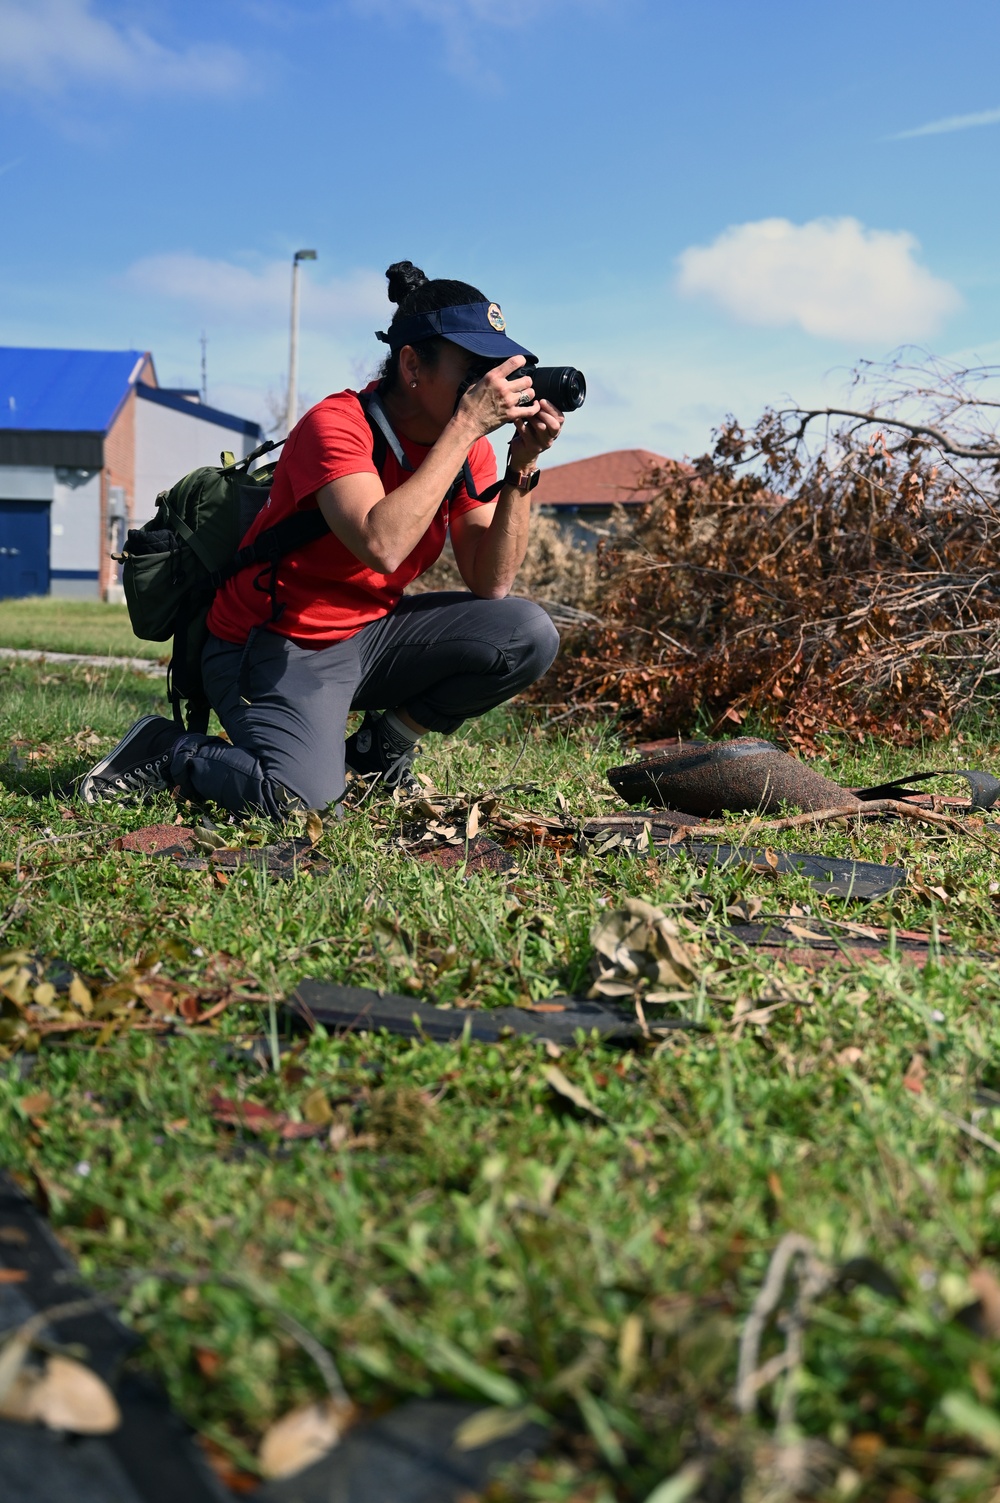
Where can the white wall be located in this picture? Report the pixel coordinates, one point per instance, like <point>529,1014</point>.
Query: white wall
<point>169,443</point>
<point>26,482</point>
<point>76,531</point>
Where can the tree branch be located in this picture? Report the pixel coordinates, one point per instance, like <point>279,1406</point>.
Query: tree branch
<point>960,451</point>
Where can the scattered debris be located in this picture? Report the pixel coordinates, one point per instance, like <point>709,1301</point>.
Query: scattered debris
<point>984,788</point>
<point>564,1087</point>
<point>355,1009</point>
<point>417,1453</point>
<point>149,1456</point>
<point>304,1435</point>
<point>40,997</point>
<point>251,1117</point>
<point>477,854</point>
<point>638,946</point>
<point>838,577</point>
<point>811,940</point>
<point>710,778</point>
<point>60,1393</point>
<point>208,850</point>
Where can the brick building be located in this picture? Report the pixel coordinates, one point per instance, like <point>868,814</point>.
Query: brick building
<point>88,438</point>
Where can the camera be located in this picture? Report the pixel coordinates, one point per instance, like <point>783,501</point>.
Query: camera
<point>562,385</point>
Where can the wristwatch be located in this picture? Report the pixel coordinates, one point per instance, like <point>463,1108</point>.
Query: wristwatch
<point>522,480</point>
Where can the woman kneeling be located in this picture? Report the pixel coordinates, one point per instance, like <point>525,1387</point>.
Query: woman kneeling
<point>294,649</point>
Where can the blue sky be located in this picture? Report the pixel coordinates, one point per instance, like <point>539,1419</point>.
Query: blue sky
<point>707,206</point>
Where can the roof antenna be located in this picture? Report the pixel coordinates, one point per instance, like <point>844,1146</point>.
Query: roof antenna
<point>204,368</point>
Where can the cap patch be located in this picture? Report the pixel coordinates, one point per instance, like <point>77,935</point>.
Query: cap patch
<point>496,318</point>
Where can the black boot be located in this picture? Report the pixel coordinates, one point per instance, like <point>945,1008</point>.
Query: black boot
<point>376,755</point>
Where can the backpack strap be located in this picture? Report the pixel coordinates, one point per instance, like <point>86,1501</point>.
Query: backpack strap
<point>382,429</point>
<point>187,533</point>
<point>271,545</point>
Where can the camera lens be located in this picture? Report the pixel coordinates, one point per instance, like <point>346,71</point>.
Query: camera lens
<point>562,385</point>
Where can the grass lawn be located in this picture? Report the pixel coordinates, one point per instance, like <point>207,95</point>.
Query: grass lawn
<point>87,626</point>
<point>462,1227</point>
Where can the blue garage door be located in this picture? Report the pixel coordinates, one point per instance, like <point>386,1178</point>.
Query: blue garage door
<point>24,548</point>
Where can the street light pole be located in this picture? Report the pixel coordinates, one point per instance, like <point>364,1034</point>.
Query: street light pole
<point>293,346</point>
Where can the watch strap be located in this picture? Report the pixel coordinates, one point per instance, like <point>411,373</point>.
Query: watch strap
<point>522,480</point>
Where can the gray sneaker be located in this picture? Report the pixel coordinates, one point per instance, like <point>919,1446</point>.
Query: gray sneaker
<point>138,764</point>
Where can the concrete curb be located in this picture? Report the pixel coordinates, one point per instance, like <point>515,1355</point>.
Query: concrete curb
<point>35,655</point>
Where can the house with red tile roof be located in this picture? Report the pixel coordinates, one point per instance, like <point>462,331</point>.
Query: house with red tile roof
<point>580,495</point>
<point>606,480</point>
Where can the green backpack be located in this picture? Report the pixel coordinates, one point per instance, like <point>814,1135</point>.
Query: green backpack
<point>172,567</point>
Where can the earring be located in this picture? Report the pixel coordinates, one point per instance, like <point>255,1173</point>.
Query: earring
<point>413,383</point>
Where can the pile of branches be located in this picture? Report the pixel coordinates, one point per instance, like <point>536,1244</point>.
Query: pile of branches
<point>833,569</point>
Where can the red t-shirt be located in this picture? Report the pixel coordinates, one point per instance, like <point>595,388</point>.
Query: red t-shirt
<point>328,594</point>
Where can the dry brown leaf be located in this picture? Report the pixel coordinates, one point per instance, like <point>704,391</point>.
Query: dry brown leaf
<point>986,1286</point>
<point>79,995</point>
<point>638,943</point>
<point>316,1107</point>
<point>64,1395</point>
<point>472,823</point>
<point>302,1436</point>
<point>916,1074</point>
<point>629,1347</point>
<point>564,1087</point>
<point>314,826</point>
<point>37,1104</point>
<point>488,1425</point>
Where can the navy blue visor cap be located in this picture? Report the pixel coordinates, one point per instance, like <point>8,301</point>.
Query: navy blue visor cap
<point>477,327</point>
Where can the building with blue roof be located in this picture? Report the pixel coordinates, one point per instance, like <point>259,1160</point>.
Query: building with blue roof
<point>88,439</point>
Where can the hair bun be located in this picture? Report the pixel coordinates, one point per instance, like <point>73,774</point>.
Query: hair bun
<point>404,278</point>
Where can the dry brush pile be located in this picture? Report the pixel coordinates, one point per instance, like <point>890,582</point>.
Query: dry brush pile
<point>853,586</point>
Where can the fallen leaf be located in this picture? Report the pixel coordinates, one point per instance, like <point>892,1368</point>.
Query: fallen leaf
<point>302,1436</point>
<point>629,1347</point>
<point>472,823</point>
<point>316,1107</point>
<point>314,826</point>
<point>916,1074</point>
<point>564,1087</point>
<point>37,1104</point>
<point>79,995</point>
<point>488,1425</point>
<point>65,1395</point>
<point>986,1285</point>
<point>291,1259</point>
<point>208,1361</point>
<point>849,1056</point>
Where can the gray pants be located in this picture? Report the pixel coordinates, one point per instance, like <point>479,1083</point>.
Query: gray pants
<point>441,657</point>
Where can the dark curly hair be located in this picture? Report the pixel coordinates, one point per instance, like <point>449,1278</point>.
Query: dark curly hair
<point>413,292</point>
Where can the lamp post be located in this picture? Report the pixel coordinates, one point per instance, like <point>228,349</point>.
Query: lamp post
<point>293,347</point>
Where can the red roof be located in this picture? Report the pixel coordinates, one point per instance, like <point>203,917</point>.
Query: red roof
<point>606,480</point>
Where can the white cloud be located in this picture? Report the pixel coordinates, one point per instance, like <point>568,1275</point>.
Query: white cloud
<point>469,29</point>
<point>950,123</point>
<point>832,277</point>
<point>46,45</point>
<point>224,291</point>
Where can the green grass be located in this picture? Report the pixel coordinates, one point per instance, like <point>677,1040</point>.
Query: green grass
<point>87,626</point>
<point>473,1233</point>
